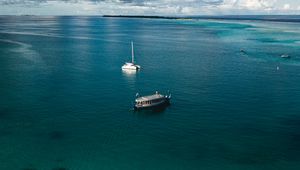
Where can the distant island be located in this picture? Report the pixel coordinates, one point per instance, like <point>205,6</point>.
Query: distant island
<point>276,18</point>
<point>141,16</point>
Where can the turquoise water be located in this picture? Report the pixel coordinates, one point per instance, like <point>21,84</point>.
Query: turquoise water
<point>66,104</point>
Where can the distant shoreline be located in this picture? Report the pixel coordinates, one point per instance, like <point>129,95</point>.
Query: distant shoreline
<point>271,18</point>
<point>275,18</point>
<point>141,16</point>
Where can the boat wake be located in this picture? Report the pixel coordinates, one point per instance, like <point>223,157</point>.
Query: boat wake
<point>24,49</point>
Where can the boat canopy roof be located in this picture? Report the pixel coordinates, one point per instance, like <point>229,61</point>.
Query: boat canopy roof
<point>150,97</point>
<point>130,64</point>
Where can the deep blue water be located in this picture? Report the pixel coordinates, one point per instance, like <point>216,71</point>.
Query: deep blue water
<point>65,103</point>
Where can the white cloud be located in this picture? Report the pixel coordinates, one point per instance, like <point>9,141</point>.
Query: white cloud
<point>286,6</point>
<point>147,7</point>
<point>250,4</point>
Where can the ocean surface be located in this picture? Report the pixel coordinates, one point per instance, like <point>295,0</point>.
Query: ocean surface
<point>65,103</point>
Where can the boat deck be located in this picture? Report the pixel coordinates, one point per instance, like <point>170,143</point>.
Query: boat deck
<point>150,97</point>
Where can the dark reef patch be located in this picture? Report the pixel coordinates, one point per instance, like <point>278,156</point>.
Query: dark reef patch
<point>57,135</point>
<point>291,134</point>
<point>60,168</point>
<point>5,112</point>
<point>59,160</point>
<point>29,169</point>
<point>249,155</point>
<point>5,132</point>
<point>292,121</point>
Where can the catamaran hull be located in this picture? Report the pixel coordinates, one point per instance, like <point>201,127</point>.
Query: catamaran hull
<point>130,68</point>
<point>134,67</point>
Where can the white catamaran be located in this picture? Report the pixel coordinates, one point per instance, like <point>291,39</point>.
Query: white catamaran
<point>131,65</point>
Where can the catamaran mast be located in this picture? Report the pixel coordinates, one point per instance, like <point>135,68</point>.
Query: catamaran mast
<point>132,53</point>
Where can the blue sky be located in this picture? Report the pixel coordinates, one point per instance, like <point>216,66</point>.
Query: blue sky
<point>148,7</point>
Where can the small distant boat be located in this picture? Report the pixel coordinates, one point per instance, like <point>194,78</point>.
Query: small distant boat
<point>285,56</point>
<point>131,65</point>
<point>151,101</point>
<point>242,51</point>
